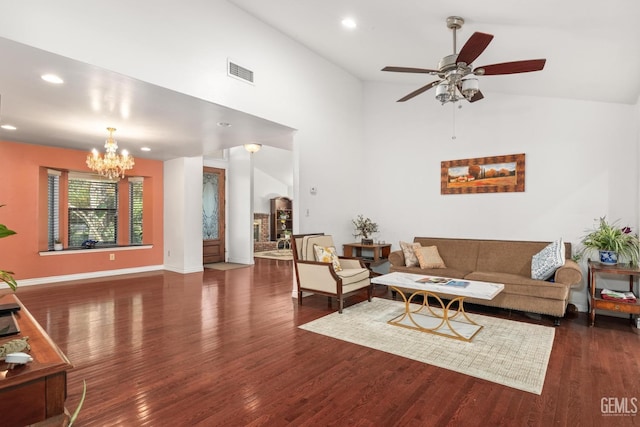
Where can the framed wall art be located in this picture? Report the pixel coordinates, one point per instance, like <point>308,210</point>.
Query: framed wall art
<point>498,174</point>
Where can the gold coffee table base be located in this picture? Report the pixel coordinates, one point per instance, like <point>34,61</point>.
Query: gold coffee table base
<point>426,319</point>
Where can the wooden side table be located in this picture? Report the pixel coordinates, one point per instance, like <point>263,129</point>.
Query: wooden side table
<point>380,252</point>
<point>34,393</point>
<point>594,298</point>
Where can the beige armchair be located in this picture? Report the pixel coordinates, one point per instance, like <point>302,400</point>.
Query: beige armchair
<point>320,277</point>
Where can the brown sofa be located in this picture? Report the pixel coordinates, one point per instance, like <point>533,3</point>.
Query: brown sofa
<point>501,261</point>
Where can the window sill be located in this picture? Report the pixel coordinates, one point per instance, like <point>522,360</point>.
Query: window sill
<point>100,249</point>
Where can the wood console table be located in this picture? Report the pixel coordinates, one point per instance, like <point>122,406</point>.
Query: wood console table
<point>596,302</point>
<point>33,393</point>
<point>380,252</point>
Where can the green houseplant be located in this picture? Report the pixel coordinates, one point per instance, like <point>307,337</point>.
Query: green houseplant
<point>364,227</point>
<point>612,241</point>
<point>6,276</point>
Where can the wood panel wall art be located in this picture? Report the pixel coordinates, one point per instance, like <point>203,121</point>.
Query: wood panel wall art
<point>497,174</point>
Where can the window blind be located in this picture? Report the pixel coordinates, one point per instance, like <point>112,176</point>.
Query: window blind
<point>93,211</point>
<point>135,211</point>
<point>53,207</point>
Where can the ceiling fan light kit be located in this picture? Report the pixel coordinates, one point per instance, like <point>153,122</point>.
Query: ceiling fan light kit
<point>457,77</point>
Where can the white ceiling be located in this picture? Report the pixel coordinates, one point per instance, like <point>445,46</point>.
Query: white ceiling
<point>592,51</point>
<point>72,115</point>
<point>592,48</point>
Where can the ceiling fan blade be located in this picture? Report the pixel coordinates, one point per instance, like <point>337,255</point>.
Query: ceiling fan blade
<point>410,70</point>
<point>476,44</point>
<point>419,91</point>
<point>477,97</point>
<point>511,67</point>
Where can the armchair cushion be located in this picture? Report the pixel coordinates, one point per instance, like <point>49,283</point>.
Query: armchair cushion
<point>353,275</point>
<point>327,254</point>
<point>306,252</point>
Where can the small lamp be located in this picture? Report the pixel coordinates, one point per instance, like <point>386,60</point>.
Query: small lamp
<point>252,148</point>
<point>470,87</point>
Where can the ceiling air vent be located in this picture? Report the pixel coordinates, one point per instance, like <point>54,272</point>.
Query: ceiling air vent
<point>239,72</point>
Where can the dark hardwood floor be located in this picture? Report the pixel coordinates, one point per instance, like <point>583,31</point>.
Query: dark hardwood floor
<point>224,348</point>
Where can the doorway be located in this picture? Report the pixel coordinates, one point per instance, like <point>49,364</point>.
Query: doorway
<point>213,218</point>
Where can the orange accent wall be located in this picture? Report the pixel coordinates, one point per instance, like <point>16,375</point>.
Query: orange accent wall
<point>22,176</point>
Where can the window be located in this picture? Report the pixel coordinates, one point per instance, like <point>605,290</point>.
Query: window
<point>53,207</point>
<point>135,210</point>
<point>92,210</point>
<point>110,212</point>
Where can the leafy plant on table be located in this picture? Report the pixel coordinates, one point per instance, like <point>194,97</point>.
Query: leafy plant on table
<point>611,237</point>
<point>7,276</point>
<point>364,227</point>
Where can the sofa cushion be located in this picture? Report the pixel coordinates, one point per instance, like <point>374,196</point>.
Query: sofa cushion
<point>460,254</point>
<point>522,285</point>
<point>508,256</point>
<point>327,254</point>
<point>409,251</point>
<point>545,263</point>
<point>428,257</point>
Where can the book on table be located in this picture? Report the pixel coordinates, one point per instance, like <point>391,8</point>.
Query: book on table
<point>458,283</point>
<point>620,296</point>
<point>444,281</point>
<point>433,280</point>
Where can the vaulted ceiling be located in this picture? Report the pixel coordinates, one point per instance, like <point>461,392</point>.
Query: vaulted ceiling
<point>591,50</point>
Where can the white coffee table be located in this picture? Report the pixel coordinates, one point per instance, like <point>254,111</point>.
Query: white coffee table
<point>440,321</point>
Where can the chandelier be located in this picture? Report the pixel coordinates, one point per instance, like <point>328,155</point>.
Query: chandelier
<point>111,164</point>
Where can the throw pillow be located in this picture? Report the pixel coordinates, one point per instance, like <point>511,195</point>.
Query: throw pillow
<point>409,251</point>
<point>429,257</point>
<point>327,254</point>
<point>545,263</point>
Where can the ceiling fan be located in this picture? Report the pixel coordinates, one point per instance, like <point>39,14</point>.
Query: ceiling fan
<point>457,77</point>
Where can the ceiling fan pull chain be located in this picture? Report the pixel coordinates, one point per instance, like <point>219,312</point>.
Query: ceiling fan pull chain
<point>453,131</point>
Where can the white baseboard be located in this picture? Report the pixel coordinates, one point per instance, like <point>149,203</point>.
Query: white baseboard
<point>246,261</point>
<point>84,276</point>
<point>196,269</point>
<point>582,308</point>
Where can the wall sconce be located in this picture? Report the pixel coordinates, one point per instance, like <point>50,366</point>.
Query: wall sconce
<point>252,148</point>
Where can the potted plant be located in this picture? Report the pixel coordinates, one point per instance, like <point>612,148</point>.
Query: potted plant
<point>612,242</point>
<point>364,227</point>
<point>57,245</point>
<point>6,276</point>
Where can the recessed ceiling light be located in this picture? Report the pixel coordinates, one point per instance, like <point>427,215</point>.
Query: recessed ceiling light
<point>8,127</point>
<point>349,23</point>
<point>145,149</point>
<point>224,124</point>
<point>52,78</point>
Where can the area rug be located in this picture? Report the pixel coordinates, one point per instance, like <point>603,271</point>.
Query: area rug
<point>514,354</point>
<point>225,266</point>
<point>283,254</point>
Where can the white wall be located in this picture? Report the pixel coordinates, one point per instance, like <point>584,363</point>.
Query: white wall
<point>581,157</point>
<point>265,188</point>
<point>185,48</point>
<point>581,163</point>
<point>183,215</point>
<point>240,206</point>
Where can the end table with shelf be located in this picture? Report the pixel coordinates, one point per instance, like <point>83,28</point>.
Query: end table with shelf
<point>380,252</point>
<point>597,302</point>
